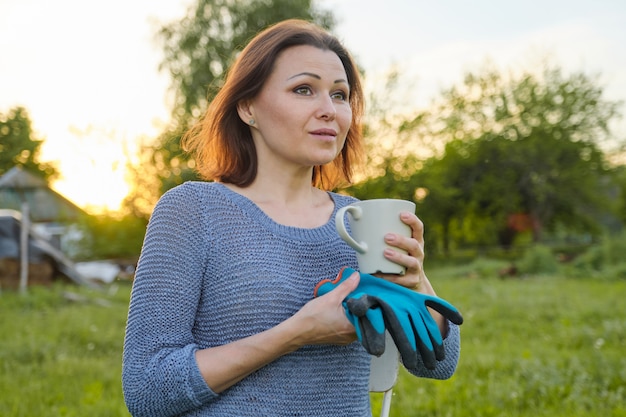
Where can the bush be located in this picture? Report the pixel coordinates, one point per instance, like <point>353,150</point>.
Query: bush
<point>109,237</point>
<point>478,268</point>
<point>614,249</point>
<point>538,260</point>
<point>588,263</point>
<point>606,260</point>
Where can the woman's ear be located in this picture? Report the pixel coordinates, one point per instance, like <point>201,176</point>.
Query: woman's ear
<point>246,112</point>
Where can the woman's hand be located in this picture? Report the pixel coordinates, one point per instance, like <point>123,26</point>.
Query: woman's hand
<point>320,321</point>
<point>323,319</point>
<point>413,259</point>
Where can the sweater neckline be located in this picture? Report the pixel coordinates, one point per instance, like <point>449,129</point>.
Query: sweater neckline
<point>254,211</point>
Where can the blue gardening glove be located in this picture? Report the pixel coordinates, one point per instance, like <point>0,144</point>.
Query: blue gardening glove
<point>368,321</point>
<point>405,315</point>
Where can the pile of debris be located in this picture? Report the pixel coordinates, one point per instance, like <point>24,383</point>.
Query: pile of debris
<point>45,262</point>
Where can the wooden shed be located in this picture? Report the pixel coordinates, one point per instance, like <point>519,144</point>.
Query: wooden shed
<point>40,255</point>
<point>46,205</point>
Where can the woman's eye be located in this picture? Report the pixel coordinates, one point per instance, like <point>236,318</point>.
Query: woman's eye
<point>339,95</point>
<point>304,90</point>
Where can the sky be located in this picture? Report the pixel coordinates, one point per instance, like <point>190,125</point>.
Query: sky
<point>87,72</point>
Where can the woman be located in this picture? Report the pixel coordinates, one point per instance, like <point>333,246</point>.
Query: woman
<point>222,319</point>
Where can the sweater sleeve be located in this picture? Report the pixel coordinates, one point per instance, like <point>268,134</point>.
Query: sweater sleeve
<point>160,376</point>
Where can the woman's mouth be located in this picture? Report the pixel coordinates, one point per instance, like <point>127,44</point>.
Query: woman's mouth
<point>327,134</point>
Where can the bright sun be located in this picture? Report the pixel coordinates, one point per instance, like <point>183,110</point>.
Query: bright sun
<point>93,170</point>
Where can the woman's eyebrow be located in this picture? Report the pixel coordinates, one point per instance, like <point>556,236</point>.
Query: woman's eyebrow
<point>310,74</point>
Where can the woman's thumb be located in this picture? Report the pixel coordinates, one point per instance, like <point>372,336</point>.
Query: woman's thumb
<point>348,285</point>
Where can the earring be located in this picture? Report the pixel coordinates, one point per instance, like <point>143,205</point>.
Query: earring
<point>251,122</point>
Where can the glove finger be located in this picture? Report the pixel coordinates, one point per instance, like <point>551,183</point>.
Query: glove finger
<point>434,335</point>
<point>371,323</point>
<point>373,341</point>
<point>355,322</point>
<point>403,340</point>
<point>375,317</point>
<point>365,305</point>
<point>426,351</point>
<point>424,331</point>
<point>446,309</point>
<point>429,325</point>
<point>422,334</point>
<point>359,304</point>
<point>370,329</point>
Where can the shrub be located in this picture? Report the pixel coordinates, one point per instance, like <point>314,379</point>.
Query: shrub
<point>108,236</point>
<point>614,249</point>
<point>606,260</point>
<point>538,260</point>
<point>480,267</point>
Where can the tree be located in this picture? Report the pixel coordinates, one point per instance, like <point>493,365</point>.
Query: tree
<point>525,154</point>
<point>393,153</point>
<point>521,154</point>
<point>201,46</point>
<point>19,146</point>
<point>198,49</point>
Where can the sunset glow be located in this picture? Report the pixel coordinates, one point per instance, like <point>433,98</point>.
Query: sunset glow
<point>93,174</point>
<point>87,73</point>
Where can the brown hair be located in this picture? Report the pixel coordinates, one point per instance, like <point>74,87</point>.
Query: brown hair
<point>221,142</point>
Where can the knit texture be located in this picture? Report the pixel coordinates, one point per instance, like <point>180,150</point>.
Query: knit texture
<point>214,268</point>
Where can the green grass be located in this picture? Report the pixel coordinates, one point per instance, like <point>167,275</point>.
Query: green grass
<point>530,347</point>
<point>60,357</point>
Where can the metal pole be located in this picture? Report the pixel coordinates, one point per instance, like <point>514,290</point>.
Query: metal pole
<point>386,403</point>
<point>24,248</point>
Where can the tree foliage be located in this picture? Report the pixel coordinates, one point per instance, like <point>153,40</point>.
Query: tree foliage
<point>519,154</point>
<point>19,145</point>
<point>200,47</point>
<point>197,51</point>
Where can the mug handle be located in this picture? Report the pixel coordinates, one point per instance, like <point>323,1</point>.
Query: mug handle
<point>340,225</point>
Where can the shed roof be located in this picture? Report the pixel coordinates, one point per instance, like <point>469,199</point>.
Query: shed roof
<point>45,205</point>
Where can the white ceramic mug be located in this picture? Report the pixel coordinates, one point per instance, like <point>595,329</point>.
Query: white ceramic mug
<point>370,221</point>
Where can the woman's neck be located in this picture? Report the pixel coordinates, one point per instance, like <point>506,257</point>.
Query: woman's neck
<point>291,203</point>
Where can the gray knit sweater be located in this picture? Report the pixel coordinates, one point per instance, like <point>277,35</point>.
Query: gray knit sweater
<point>214,269</point>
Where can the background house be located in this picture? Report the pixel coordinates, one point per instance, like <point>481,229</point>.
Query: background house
<point>50,218</point>
<point>50,213</point>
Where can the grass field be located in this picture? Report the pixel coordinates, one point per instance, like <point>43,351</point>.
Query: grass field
<point>530,347</point>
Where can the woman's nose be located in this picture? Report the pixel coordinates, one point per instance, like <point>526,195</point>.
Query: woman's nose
<point>327,109</point>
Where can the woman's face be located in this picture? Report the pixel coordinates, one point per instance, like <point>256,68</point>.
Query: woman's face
<point>302,114</point>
